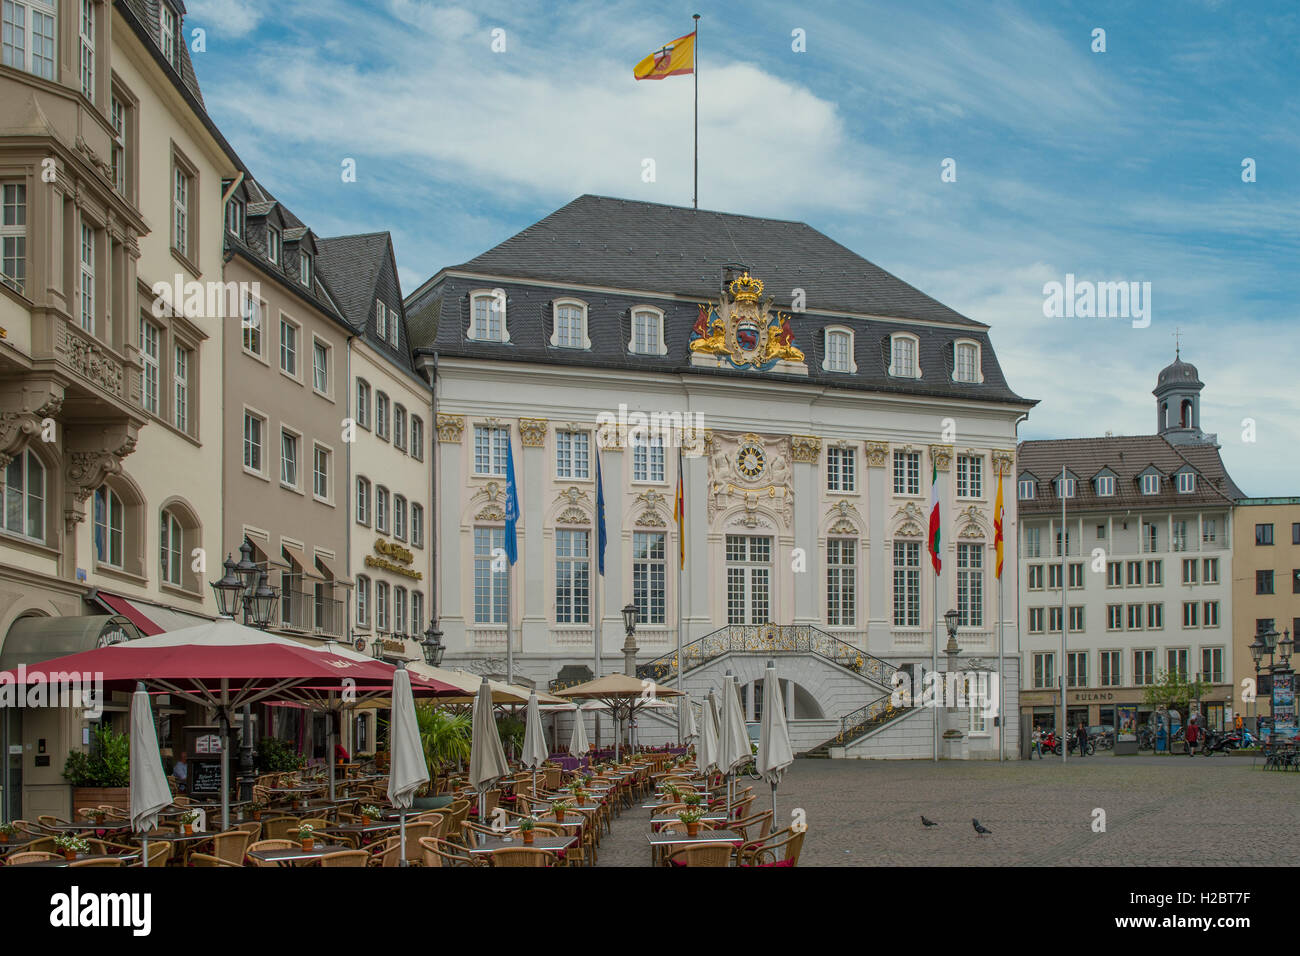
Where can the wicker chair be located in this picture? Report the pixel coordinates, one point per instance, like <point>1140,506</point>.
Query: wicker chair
<point>743,826</point>
<point>207,859</point>
<point>780,849</point>
<point>231,846</point>
<point>522,856</point>
<point>457,812</point>
<point>345,858</point>
<point>44,844</point>
<point>48,821</point>
<point>270,845</point>
<point>114,813</point>
<point>97,861</point>
<point>387,853</point>
<point>159,852</point>
<point>702,854</point>
<point>252,828</point>
<point>441,853</point>
<point>30,856</point>
<point>279,828</point>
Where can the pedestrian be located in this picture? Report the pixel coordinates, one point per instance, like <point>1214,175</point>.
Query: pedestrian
<point>1239,726</point>
<point>1038,742</point>
<point>1081,735</point>
<point>1193,735</point>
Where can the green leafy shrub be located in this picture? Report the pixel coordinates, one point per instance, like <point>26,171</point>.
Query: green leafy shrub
<point>107,765</point>
<point>276,756</point>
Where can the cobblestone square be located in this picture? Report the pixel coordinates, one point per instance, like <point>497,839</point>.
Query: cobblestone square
<point>1160,811</point>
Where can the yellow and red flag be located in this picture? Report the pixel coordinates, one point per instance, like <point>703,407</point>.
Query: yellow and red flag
<point>675,58</point>
<point>679,512</point>
<point>997,526</point>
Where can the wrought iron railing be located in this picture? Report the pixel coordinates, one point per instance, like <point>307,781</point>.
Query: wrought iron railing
<point>868,717</point>
<point>769,639</point>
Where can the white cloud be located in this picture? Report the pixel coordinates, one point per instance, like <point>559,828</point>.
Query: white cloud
<point>232,18</point>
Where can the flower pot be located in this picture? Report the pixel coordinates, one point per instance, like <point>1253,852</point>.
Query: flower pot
<point>187,828</point>
<point>559,816</point>
<point>528,837</point>
<point>693,829</point>
<point>4,838</point>
<point>308,843</point>
<point>365,821</point>
<point>70,855</point>
<point>257,814</point>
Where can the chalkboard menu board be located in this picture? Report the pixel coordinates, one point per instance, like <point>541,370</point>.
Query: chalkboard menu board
<point>205,776</point>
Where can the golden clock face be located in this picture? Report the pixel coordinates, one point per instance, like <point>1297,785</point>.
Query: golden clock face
<point>750,461</point>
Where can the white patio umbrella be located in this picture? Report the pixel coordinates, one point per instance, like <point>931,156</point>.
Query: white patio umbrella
<point>408,771</point>
<point>774,751</point>
<point>733,743</point>
<point>149,790</point>
<point>578,745</point>
<point>692,730</point>
<point>535,752</point>
<point>708,752</point>
<point>487,758</point>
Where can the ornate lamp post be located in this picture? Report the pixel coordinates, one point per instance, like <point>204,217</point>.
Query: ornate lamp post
<point>630,617</point>
<point>432,645</point>
<point>951,651</point>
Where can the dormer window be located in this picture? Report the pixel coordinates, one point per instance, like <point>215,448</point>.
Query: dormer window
<point>1150,484</point>
<point>648,332</point>
<point>488,316</point>
<point>167,32</point>
<point>274,243</point>
<point>966,362</point>
<point>1105,486</point>
<point>1064,487</point>
<point>1026,489</point>
<point>839,351</point>
<point>570,331</point>
<point>1186,482</point>
<point>904,355</point>
<point>235,217</point>
<point>304,267</point>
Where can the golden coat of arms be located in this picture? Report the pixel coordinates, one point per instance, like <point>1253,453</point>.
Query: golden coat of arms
<point>744,333</point>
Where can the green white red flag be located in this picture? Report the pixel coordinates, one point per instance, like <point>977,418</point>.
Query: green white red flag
<point>934,517</point>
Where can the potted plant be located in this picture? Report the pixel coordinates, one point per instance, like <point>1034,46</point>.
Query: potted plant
<point>70,845</point>
<point>7,830</point>
<point>187,821</point>
<point>369,813</point>
<point>560,806</point>
<point>692,799</point>
<point>101,777</point>
<point>257,806</point>
<point>306,836</point>
<point>527,830</point>
<point>691,817</point>
<point>94,815</point>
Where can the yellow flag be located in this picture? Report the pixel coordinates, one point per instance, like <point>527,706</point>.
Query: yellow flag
<point>675,58</point>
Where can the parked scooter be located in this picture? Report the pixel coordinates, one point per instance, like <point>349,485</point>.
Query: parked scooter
<point>1051,744</point>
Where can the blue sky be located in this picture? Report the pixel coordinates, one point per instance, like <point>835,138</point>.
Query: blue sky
<point>1117,166</point>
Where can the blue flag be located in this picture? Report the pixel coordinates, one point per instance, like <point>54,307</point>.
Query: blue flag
<point>512,506</point>
<point>600,518</point>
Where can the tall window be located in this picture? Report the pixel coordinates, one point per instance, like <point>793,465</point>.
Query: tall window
<point>381,319</point>
<point>417,525</point>
<point>417,610</point>
<point>1026,488</point>
<point>180,210</point>
<point>1033,542</point>
<point>320,484</point>
<point>907,584</point>
<point>13,233</point>
<point>648,576</point>
<point>399,517</point>
<point>489,318</point>
<point>399,610</point>
<point>381,605</point>
<point>1263,534</point>
<point>1076,669</point>
<point>320,367</point>
<point>838,351</point>
<point>1110,672</point>
<point>288,346</point>
<point>29,34</point>
<point>87,43</point>
<point>251,323</point>
<point>235,217</point>
<point>1263,582</point>
<point>381,509</point>
<point>841,582</point>
<point>568,327</point>
<point>1176,659</point>
<point>1155,616</point>
<point>304,267</point>
<point>491,445</point>
<point>254,426</point>
<point>967,365</point>
<point>150,336</point>
<point>363,403</point>
<point>1144,666</point>
<point>87,272</point>
<point>363,601</point>
<point>417,438</point>
<point>110,527</point>
<point>381,415</point>
<point>647,332</point>
<point>1212,664</point>
<point>572,577</point>
<point>24,496</point>
<point>648,459</point>
<point>903,356</point>
<point>117,152</point>
<point>167,31</point>
<point>363,500</point>
<point>1211,568</point>
<point>572,454</point>
<point>274,243</point>
<point>288,459</point>
<point>1044,670</point>
<point>181,388</point>
<point>970,476</point>
<point>399,426</point>
<point>970,585</point>
<point>840,470</point>
<point>171,541</point>
<point>1178,535</point>
<point>749,579</point>
<point>907,472</point>
<point>489,584</point>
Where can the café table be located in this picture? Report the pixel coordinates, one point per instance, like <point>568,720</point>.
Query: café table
<point>664,842</point>
<point>358,830</point>
<point>19,840</point>
<point>293,854</point>
<point>126,858</point>
<point>487,845</point>
<point>718,816</point>
<point>85,827</point>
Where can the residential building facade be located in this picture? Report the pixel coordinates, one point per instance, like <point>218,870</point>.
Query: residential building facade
<point>1126,543</point>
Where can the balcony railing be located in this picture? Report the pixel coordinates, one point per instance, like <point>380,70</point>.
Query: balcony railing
<point>311,613</point>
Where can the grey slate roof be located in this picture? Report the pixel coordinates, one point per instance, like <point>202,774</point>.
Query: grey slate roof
<point>1127,457</point>
<point>679,251</point>
<point>628,244</point>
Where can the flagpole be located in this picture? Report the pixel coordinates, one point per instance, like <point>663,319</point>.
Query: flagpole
<point>598,580</point>
<point>1065,727</point>
<point>695,48</point>
<point>997,560</point>
<point>934,665</point>
<point>681,602</point>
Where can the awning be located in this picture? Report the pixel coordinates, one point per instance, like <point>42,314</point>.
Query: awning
<point>294,554</point>
<point>327,567</point>
<point>120,605</point>
<point>35,640</point>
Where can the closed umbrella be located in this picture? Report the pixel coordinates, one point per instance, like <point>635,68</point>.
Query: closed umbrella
<point>408,771</point>
<point>692,730</point>
<point>708,755</point>
<point>149,790</point>
<point>734,750</point>
<point>487,759</point>
<point>535,752</point>
<point>774,751</point>
<point>578,745</point>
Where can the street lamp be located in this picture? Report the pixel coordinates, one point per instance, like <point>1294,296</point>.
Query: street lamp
<point>432,645</point>
<point>950,619</point>
<point>228,590</point>
<point>630,616</point>
<point>261,602</point>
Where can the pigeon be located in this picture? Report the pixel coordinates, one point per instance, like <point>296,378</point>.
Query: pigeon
<point>979,827</point>
<point>928,823</point>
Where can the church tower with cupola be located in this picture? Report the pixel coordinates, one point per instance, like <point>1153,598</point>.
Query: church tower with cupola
<point>1178,404</point>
